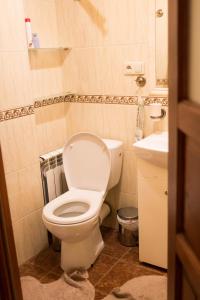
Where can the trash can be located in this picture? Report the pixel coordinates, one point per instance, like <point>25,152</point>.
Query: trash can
<point>128,226</point>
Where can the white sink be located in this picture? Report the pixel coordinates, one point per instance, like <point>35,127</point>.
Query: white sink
<point>153,148</point>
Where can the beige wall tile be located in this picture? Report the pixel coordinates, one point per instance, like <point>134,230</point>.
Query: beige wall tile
<point>127,199</point>
<point>24,191</point>
<point>12,27</point>
<point>152,126</point>
<point>43,20</point>
<point>128,182</point>
<point>15,85</point>
<point>19,143</point>
<point>104,22</point>
<point>46,73</point>
<point>106,34</point>
<point>50,124</point>
<point>104,71</point>
<point>30,236</point>
<point>115,121</point>
<point>84,117</point>
<point>120,123</point>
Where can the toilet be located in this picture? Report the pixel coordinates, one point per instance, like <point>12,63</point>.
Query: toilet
<point>92,167</point>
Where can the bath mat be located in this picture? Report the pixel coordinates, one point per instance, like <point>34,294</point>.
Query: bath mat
<point>73,287</point>
<point>148,287</point>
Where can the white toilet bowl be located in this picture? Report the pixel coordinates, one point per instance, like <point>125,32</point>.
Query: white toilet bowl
<point>92,166</point>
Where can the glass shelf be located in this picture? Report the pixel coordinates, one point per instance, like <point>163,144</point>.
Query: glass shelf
<point>49,49</point>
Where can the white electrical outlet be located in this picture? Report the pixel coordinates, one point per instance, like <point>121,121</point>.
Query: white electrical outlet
<point>134,68</point>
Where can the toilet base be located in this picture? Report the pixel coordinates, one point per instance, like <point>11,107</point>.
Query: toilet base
<point>82,254</point>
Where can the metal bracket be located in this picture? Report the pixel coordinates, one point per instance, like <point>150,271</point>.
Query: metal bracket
<point>140,81</point>
<point>159,13</point>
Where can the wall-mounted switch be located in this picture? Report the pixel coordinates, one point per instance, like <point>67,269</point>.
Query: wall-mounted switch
<point>134,68</point>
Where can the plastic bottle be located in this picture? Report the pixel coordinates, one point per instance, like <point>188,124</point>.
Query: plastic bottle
<point>35,40</point>
<point>28,32</point>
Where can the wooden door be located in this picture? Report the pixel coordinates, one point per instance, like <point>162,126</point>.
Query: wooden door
<point>10,288</point>
<point>184,150</point>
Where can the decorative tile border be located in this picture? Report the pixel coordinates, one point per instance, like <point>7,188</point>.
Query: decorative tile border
<point>150,100</point>
<point>50,101</point>
<point>105,99</point>
<point>101,99</point>
<point>162,82</point>
<point>16,113</point>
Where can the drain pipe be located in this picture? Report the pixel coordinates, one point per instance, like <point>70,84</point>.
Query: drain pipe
<point>105,211</point>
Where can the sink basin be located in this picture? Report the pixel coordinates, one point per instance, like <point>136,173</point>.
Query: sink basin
<point>153,148</point>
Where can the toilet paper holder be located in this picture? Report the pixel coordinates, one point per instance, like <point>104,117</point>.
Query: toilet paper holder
<point>162,115</point>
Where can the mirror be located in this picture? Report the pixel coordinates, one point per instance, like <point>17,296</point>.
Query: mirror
<point>161,47</point>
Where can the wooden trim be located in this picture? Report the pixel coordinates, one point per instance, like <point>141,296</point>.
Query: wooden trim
<point>188,118</point>
<point>10,288</point>
<point>172,159</point>
<point>189,260</point>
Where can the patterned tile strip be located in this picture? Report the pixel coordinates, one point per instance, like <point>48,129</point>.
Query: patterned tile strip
<point>101,99</point>
<point>50,101</point>
<point>16,113</point>
<point>105,99</point>
<point>150,100</point>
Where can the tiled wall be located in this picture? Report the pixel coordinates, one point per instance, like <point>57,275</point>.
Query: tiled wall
<point>103,35</point>
<point>24,77</point>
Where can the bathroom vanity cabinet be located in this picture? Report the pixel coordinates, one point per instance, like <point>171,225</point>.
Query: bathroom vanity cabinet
<point>152,211</point>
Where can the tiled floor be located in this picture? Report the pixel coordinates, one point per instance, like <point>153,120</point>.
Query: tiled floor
<point>115,265</point>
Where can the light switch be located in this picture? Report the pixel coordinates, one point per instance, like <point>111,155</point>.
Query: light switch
<point>134,68</point>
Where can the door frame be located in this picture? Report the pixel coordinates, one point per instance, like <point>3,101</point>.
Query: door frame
<point>184,124</point>
<point>10,287</point>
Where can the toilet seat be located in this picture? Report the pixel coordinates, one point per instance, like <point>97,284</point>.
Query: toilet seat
<point>74,206</point>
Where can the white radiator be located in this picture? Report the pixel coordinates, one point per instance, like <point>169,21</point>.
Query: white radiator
<point>53,177</point>
<point>53,183</point>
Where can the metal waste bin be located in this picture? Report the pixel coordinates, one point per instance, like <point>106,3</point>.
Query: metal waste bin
<point>128,226</point>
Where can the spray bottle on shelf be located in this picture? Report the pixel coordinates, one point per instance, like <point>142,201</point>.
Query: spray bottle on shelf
<point>28,31</point>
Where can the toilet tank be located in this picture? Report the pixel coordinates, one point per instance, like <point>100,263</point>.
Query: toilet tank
<point>115,148</point>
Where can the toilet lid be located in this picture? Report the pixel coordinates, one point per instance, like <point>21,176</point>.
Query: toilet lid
<point>87,162</point>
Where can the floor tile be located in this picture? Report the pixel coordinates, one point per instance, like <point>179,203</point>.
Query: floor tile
<point>132,255</point>
<point>112,245</point>
<point>47,260</point>
<point>102,265</point>
<point>122,272</point>
<point>31,270</point>
<point>115,265</point>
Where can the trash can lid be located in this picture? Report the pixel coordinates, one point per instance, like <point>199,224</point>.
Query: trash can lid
<point>128,213</point>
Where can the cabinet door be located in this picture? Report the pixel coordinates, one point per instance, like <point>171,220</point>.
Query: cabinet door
<point>152,207</point>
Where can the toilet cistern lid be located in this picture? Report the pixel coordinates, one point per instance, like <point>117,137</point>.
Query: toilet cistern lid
<point>87,162</point>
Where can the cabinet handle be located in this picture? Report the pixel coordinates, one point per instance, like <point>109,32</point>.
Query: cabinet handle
<point>166,193</point>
